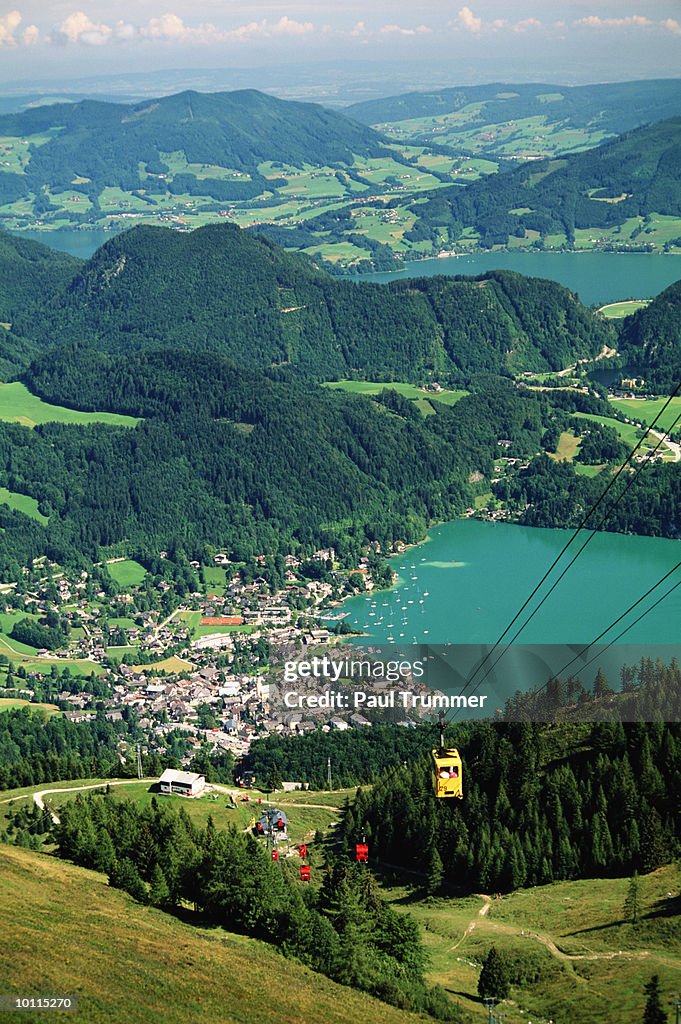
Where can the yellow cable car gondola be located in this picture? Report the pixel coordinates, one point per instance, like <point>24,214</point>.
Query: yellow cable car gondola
<point>447,770</point>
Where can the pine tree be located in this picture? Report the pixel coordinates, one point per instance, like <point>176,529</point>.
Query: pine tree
<point>495,976</point>
<point>436,872</point>
<point>654,852</point>
<point>632,903</point>
<point>159,892</point>
<point>654,1014</point>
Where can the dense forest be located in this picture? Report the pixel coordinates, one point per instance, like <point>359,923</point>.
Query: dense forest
<point>552,494</point>
<point>345,930</point>
<point>651,339</point>
<point>105,144</point>
<point>640,170</point>
<point>231,458</point>
<point>223,290</point>
<point>35,748</point>
<point>358,756</point>
<point>541,804</point>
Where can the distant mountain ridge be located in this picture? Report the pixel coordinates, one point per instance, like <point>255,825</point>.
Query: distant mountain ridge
<point>96,144</point>
<point>614,107</point>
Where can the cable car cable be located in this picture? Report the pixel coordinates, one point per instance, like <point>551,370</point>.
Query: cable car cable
<point>631,625</point>
<point>610,509</point>
<point>581,525</point>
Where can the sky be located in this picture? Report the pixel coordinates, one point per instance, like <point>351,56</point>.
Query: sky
<point>580,40</point>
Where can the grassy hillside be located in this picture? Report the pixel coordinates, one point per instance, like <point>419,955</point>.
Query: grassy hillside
<point>623,193</point>
<point>516,121</point>
<point>579,960</point>
<point>64,930</point>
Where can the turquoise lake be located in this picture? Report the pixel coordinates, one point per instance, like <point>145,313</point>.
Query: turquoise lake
<point>465,583</point>
<point>597,277</point>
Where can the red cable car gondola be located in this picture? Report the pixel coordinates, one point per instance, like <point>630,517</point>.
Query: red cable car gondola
<point>275,854</point>
<point>304,872</point>
<point>362,853</point>
<point>302,850</point>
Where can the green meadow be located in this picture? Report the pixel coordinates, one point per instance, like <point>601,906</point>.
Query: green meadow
<point>415,394</point>
<point>18,405</point>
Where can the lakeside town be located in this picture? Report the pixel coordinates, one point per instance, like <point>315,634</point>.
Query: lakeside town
<point>206,674</point>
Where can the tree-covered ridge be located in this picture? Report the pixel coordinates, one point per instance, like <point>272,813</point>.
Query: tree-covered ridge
<point>222,290</point>
<point>636,174</point>
<point>108,143</point>
<point>614,107</point>
<point>236,459</point>
<point>35,748</point>
<point>651,338</point>
<point>606,804</point>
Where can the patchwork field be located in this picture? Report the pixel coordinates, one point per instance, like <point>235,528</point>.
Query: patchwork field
<point>421,397</point>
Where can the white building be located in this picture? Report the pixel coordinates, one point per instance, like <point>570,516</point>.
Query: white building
<point>183,783</point>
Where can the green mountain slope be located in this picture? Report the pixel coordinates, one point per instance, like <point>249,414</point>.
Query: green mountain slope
<point>30,273</point>
<point>634,176</point>
<point>504,119</point>
<point>88,145</point>
<point>651,338</point>
<point>221,290</point>
<point>66,931</point>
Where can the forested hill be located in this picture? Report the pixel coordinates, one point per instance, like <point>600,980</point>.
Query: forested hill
<point>220,289</point>
<point>634,175</point>
<point>613,107</point>
<point>651,338</point>
<point>30,271</point>
<point>30,275</point>
<point>90,145</point>
<point>604,803</point>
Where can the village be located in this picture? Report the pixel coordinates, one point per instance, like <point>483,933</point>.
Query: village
<point>208,674</point>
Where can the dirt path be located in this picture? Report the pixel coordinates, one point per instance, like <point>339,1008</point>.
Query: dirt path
<point>500,928</point>
<point>482,912</point>
<point>39,802</point>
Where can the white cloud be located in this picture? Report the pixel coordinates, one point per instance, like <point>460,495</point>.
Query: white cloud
<point>8,26</point>
<point>525,24</point>
<point>631,21</point>
<point>359,29</point>
<point>468,21</point>
<point>420,30</point>
<point>672,25</point>
<point>79,28</point>
<point>30,35</point>
<point>172,28</point>
<point>499,23</point>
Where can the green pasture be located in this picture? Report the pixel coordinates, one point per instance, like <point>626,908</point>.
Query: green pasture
<point>22,503</point>
<point>18,405</point>
<point>646,409</point>
<point>127,573</point>
<point>617,310</point>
